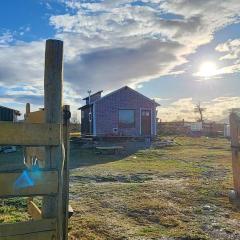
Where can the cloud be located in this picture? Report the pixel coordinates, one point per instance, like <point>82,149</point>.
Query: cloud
<point>6,38</point>
<point>231,51</point>
<point>4,99</point>
<point>122,66</point>
<point>216,109</point>
<point>159,99</point>
<point>22,64</point>
<point>112,43</point>
<point>230,48</point>
<point>109,41</point>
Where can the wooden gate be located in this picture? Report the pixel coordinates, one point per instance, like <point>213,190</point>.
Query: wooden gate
<point>45,139</point>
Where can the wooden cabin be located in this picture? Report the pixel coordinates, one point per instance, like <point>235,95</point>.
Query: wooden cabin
<point>124,112</point>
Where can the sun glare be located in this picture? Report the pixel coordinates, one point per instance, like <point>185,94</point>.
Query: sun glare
<point>207,69</point>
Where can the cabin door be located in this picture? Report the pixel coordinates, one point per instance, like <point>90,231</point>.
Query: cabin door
<point>146,122</point>
<point>87,121</point>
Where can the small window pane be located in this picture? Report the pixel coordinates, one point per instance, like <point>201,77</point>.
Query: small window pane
<point>126,118</point>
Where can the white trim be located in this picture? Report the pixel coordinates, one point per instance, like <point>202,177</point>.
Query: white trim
<point>155,118</point>
<point>151,128</point>
<point>140,127</point>
<point>94,120</point>
<point>151,123</point>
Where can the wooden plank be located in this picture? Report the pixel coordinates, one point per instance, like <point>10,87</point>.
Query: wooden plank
<point>65,194</point>
<point>235,133</point>
<point>34,210</point>
<point>28,134</point>
<point>35,117</point>
<point>33,154</point>
<point>28,183</point>
<point>29,227</point>
<point>47,235</point>
<point>110,148</point>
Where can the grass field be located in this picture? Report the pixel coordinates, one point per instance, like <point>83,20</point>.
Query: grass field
<point>178,192</point>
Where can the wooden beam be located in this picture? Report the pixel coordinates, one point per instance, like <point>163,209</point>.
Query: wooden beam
<point>28,134</point>
<point>53,84</point>
<point>14,230</point>
<point>65,195</point>
<point>33,153</point>
<point>28,183</point>
<point>235,134</point>
<point>35,117</point>
<point>47,235</point>
<point>34,210</point>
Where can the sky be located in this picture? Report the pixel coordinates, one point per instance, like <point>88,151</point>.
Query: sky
<point>178,52</point>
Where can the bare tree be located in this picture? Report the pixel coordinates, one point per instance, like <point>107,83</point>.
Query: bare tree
<point>198,109</point>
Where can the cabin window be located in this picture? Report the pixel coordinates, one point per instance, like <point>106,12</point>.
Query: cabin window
<point>126,118</point>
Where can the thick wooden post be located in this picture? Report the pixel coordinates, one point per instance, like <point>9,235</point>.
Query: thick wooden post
<point>234,131</point>
<point>53,84</point>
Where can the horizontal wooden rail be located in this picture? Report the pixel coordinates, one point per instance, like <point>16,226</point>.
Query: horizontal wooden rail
<point>28,183</point>
<point>30,134</point>
<point>47,235</point>
<point>43,229</point>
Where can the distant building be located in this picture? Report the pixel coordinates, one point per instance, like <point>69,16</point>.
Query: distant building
<point>196,126</point>
<point>8,114</point>
<point>124,112</point>
<point>227,130</point>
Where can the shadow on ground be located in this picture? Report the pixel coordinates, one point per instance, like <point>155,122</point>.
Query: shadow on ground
<point>82,156</point>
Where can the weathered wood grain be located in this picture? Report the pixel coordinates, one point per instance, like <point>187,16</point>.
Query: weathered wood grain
<point>28,183</point>
<point>47,235</point>
<point>28,134</point>
<point>34,210</point>
<point>53,84</point>
<point>235,134</point>
<point>31,228</point>
<point>65,194</point>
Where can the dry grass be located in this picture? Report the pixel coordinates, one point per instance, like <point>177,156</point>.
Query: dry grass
<point>178,192</point>
<point>172,193</point>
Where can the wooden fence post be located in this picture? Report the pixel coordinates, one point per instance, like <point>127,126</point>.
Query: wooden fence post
<point>66,122</point>
<point>234,133</point>
<point>53,114</point>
